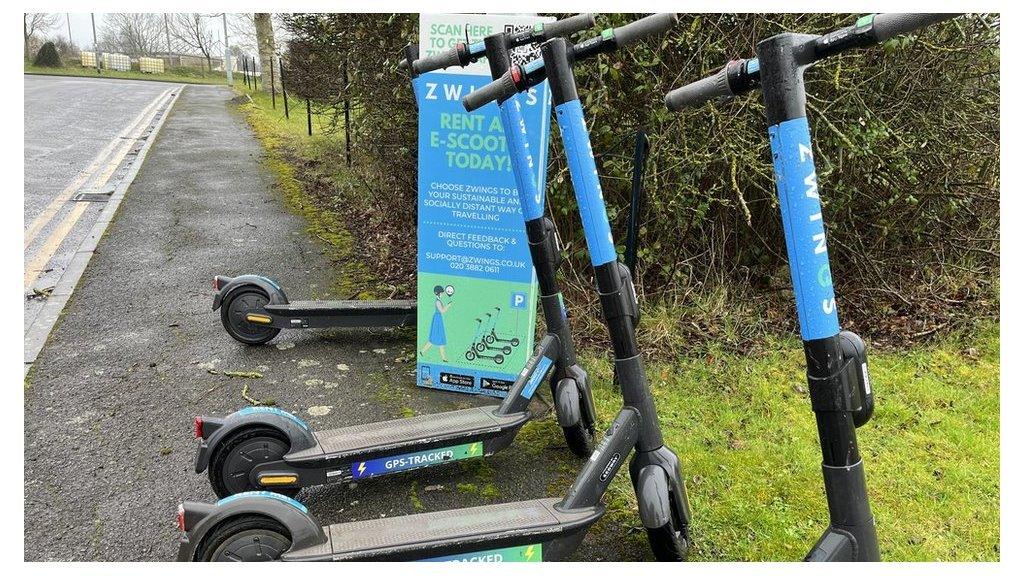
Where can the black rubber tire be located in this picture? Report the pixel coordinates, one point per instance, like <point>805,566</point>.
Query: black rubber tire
<point>470,355</point>
<point>232,315</point>
<point>249,538</point>
<point>668,543</point>
<point>277,445</point>
<point>580,439</point>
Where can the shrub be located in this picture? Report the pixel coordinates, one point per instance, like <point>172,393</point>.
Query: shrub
<point>907,147</point>
<point>48,56</point>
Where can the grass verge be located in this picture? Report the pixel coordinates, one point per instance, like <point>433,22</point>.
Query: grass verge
<point>747,439</point>
<point>182,75</point>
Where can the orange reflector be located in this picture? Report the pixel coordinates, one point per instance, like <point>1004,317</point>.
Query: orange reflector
<point>278,479</point>
<point>259,318</point>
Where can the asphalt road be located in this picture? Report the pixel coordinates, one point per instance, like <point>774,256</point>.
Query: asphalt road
<point>67,121</point>
<point>110,401</point>
<point>83,139</point>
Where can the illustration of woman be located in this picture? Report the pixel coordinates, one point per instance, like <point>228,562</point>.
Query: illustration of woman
<point>437,334</point>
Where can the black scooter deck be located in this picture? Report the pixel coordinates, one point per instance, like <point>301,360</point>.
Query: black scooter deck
<point>418,432</point>
<point>343,307</point>
<point>342,314</point>
<point>450,532</point>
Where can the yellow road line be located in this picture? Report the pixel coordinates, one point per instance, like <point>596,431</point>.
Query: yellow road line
<point>42,257</point>
<point>49,248</point>
<point>101,159</point>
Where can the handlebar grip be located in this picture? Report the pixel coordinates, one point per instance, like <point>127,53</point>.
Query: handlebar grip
<point>647,26</point>
<point>568,26</point>
<point>437,61</point>
<point>699,92</point>
<point>890,25</point>
<point>501,89</point>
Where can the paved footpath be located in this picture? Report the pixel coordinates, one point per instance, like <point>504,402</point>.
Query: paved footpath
<point>109,403</point>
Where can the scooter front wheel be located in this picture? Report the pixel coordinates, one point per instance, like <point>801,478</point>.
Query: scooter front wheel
<point>237,307</point>
<point>250,538</point>
<point>668,543</point>
<point>580,439</point>
<point>470,355</point>
<point>237,455</point>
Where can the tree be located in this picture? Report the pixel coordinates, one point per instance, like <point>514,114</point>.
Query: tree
<point>135,34</point>
<point>47,56</point>
<point>265,46</point>
<point>34,23</point>
<point>190,30</point>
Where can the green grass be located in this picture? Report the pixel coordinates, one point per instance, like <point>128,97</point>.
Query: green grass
<point>745,433</point>
<point>183,75</point>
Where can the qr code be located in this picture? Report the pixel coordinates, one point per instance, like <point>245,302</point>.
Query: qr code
<point>523,54</point>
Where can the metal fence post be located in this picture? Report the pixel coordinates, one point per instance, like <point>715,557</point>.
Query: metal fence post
<point>348,131</point>
<point>273,89</point>
<point>284,91</point>
<point>309,118</point>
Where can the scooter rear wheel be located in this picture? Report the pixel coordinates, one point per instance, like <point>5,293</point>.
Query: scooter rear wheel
<point>250,538</point>
<point>238,454</point>
<point>234,310</point>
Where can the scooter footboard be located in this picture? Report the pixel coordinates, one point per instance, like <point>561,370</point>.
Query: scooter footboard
<point>530,530</point>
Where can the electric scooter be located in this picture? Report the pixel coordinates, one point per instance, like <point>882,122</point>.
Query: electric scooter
<point>511,342</point>
<point>265,448</point>
<point>266,526</point>
<point>472,351</point>
<point>254,309</point>
<point>485,351</point>
<point>837,370</point>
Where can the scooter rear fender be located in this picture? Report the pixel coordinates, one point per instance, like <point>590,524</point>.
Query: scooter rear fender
<point>300,435</point>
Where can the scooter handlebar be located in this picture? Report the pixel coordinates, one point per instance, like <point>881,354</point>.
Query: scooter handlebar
<point>499,90</point>
<point>568,26</point>
<point>888,26</point>
<point>644,27</point>
<point>700,91</point>
<point>437,61</point>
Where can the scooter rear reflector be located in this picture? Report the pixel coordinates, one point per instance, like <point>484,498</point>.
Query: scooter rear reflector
<point>278,479</point>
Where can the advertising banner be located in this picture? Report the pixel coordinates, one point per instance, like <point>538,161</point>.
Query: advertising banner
<point>476,291</point>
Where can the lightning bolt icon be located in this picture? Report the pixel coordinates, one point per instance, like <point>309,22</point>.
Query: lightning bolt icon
<point>362,468</point>
<point>473,448</point>
<point>529,552</point>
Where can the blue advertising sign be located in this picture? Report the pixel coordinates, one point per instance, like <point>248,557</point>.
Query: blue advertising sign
<point>476,285</point>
